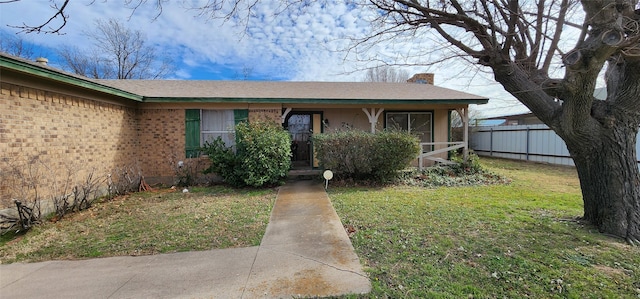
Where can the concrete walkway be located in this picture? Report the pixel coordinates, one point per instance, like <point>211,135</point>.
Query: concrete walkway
<point>305,252</point>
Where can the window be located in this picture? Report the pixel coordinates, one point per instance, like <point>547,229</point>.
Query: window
<point>418,123</point>
<point>217,123</point>
<point>207,125</point>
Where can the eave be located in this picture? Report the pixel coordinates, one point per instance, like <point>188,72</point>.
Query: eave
<point>315,101</point>
<point>42,72</point>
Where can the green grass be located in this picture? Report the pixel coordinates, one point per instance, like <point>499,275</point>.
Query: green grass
<point>149,223</point>
<point>518,240</point>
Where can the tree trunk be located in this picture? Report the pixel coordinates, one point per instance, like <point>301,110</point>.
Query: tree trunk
<point>610,181</point>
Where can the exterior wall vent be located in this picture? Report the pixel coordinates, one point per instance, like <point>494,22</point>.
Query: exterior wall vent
<point>42,60</point>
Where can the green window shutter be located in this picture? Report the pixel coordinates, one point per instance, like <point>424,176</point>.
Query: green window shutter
<point>240,115</point>
<point>192,132</point>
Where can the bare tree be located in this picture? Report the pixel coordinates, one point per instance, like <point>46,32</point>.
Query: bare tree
<point>456,120</point>
<point>15,45</point>
<point>386,73</point>
<point>59,17</point>
<point>118,53</point>
<point>84,63</point>
<point>519,42</point>
<point>46,26</point>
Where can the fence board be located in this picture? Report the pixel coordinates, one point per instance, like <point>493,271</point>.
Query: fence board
<point>528,142</point>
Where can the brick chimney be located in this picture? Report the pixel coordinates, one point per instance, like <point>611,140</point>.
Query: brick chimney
<point>422,78</point>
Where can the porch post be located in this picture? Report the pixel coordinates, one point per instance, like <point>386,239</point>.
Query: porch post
<point>464,115</point>
<point>373,117</point>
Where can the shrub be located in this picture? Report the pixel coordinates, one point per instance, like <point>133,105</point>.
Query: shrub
<point>471,166</point>
<point>470,173</point>
<point>262,156</point>
<point>394,151</point>
<point>366,156</point>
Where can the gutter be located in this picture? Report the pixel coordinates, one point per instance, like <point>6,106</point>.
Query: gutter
<point>45,72</point>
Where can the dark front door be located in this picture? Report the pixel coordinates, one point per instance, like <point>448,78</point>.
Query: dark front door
<point>300,127</point>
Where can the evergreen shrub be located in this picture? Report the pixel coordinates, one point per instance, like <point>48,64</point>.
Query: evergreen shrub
<point>262,156</point>
<point>366,156</point>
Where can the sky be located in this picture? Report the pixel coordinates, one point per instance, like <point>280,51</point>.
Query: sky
<point>311,45</point>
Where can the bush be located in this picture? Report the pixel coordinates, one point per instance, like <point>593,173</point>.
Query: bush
<point>470,173</point>
<point>262,157</point>
<point>471,166</point>
<point>366,156</point>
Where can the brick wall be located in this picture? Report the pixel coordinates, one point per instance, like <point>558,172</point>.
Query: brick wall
<point>53,134</point>
<point>424,78</point>
<point>162,142</point>
<point>266,115</point>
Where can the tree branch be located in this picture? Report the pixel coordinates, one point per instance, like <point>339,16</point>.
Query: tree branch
<point>40,28</point>
<point>553,47</point>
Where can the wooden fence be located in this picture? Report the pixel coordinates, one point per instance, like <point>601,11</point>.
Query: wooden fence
<point>528,142</point>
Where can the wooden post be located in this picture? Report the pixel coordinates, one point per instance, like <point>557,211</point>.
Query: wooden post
<point>373,117</point>
<point>465,151</point>
<point>464,116</point>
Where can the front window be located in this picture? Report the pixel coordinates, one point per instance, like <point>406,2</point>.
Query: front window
<point>218,123</point>
<point>417,123</point>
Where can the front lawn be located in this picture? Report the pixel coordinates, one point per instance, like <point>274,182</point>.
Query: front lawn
<point>152,222</point>
<point>518,240</point>
<point>521,240</point>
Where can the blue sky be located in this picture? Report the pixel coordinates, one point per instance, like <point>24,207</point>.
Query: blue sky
<point>309,46</point>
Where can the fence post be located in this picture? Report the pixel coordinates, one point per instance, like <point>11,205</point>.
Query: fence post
<point>527,153</point>
<point>491,142</point>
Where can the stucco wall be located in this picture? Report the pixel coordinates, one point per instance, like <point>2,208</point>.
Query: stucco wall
<point>47,135</point>
<point>343,119</point>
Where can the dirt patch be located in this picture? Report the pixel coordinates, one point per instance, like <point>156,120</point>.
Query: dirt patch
<point>611,272</point>
<point>306,283</point>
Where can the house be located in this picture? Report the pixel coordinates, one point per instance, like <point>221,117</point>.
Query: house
<point>515,119</point>
<point>66,119</point>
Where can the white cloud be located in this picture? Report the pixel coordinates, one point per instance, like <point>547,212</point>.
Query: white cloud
<point>307,46</point>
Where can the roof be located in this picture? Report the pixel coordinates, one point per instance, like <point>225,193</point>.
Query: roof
<point>288,91</point>
<point>251,91</point>
<point>511,116</point>
<point>25,66</point>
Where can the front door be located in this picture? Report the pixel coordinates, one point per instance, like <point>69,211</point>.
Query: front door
<point>301,127</point>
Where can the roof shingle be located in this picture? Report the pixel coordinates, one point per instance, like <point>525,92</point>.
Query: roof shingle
<point>287,90</point>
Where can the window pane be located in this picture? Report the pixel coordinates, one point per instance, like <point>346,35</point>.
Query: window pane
<point>217,120</point>
<point>228,138</point>
<point>218,123</point>
<point>421,125</point>
<point>398,121</point>
<point>299,126</point>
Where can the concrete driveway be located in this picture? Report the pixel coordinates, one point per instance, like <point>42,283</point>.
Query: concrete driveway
<point>305,252</point>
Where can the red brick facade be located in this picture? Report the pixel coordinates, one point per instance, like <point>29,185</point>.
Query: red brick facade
<point>161,140</point>
<point>56,136</point>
